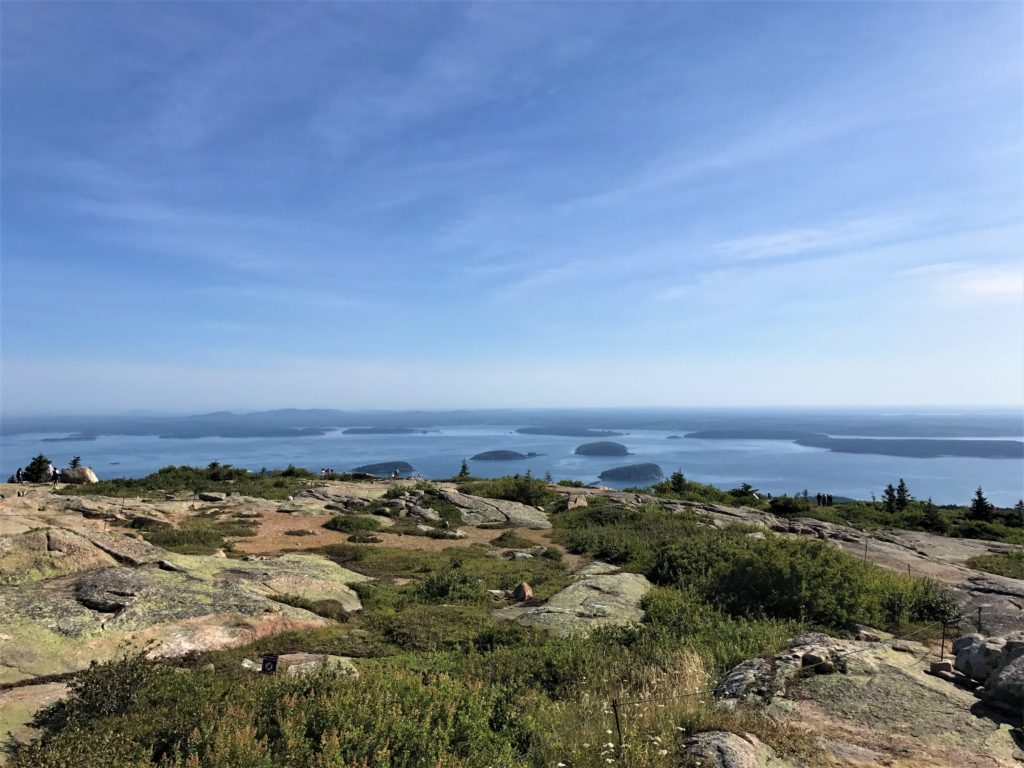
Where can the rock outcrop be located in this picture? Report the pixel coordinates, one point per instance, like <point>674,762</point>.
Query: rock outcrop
<point>871,699</point>
<point>181,603</point>
<point>591,601</point>
<point>477,511</point>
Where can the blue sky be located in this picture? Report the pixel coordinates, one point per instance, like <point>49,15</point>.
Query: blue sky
<point>248,205</point>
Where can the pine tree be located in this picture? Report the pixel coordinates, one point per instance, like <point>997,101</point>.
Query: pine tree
<point>889,498</point>
<point>980,508</point>
<point>902,496</point>
<point>38,471</point>
<point>1019,509</point>
<point>932,518</point>
<point>464,470</point>
<point>548,478</point>
<point>76,462</point>
<point>677,481</point>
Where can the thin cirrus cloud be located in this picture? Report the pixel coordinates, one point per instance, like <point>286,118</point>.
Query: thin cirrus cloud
<point>350,187</point>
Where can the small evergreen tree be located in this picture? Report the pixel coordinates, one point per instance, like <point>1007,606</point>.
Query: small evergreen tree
<point>464,470</point>
<point>889,498</point>
<point>980,507</point>
<point>902,496</point>
<point>38,470</point>
<point>76,462</point>
<point>932,519</point>
<point>547,477</point>
<point>1019,509</point>
<point>677,481</point>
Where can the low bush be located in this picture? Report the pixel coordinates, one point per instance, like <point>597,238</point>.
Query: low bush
<point>1010,564</point>
<point>352,524</point>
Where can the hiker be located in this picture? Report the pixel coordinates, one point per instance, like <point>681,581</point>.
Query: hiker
<point>55,476</point>
<point>828,500</point>
<point>17,476</point>
<point>819,499</point>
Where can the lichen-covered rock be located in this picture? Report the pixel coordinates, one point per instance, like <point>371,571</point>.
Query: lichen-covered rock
<point>46,553</point>
<point>722,749</point>
<point>476,511</point>
<point>297,664</point>
<point>199,603</point>
<point>590,602</point>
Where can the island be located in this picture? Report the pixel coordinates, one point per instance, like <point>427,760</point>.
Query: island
<point>568,432</point>
<point>602,448</point>
<point>502,456</point>
<point>384,431</point>
<point>385,468</point>
<point>633,473</point>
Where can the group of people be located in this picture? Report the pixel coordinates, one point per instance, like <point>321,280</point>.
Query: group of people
<point>325,471</point>
<point>824,499</point>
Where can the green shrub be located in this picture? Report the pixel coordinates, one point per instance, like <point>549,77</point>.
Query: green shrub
<point>1009,564</point>
<point>522,488</point>
<point>329,609</point>
<point>512,540</point>
<point>352,524</point>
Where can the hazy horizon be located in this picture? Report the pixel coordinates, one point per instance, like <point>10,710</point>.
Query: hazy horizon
<point>446,205</point>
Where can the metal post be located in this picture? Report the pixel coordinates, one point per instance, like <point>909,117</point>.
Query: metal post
<point>865,549</point>
<point>979,618</point>
<point>618,730</point>
<point>942,651</point>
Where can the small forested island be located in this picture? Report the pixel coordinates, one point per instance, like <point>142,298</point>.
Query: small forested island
<point>385,468</point>
<point>633,473</point>
<point>602,448</point>
<point>502,456</point>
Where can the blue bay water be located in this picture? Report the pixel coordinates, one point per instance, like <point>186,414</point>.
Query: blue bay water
<point>775,466</point>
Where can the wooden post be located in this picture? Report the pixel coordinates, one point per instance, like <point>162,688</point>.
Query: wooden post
<point>942,650</point>
<point>979,618</point>
<point>618,730</point>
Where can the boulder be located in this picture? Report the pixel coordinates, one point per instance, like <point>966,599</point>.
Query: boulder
<point>424,513</point>
<point>576,501</point>
<point>212,497</point>
<point>78,476</point>
<point>980,658</point>
<point>589,602</point>
<point>1005,687</point>
<point>522,592</point>
<point>721,749</point>
<point>298,664</point>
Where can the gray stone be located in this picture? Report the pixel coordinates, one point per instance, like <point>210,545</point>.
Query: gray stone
<point>1005,687</point>
<point>211,496</point>
<point>297,664</point>
<point>979,660</point>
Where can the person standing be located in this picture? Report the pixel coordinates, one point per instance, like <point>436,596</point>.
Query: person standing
<point>17,476</point>
<point>55,476</point>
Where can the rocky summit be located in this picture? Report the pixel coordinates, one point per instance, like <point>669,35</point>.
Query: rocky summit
<point>569,595</point>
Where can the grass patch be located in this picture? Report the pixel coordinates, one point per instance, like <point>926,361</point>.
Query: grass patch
<point>329,609</point>
<point>197,535</point>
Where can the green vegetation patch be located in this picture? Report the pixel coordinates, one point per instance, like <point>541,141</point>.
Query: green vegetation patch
<point>196,535</point>
<point>1010,564</point>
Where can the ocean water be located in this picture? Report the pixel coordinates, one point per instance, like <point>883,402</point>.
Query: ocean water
<point>774,466</point>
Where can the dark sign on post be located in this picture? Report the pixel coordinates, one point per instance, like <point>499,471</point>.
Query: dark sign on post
<point>269,664</point>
